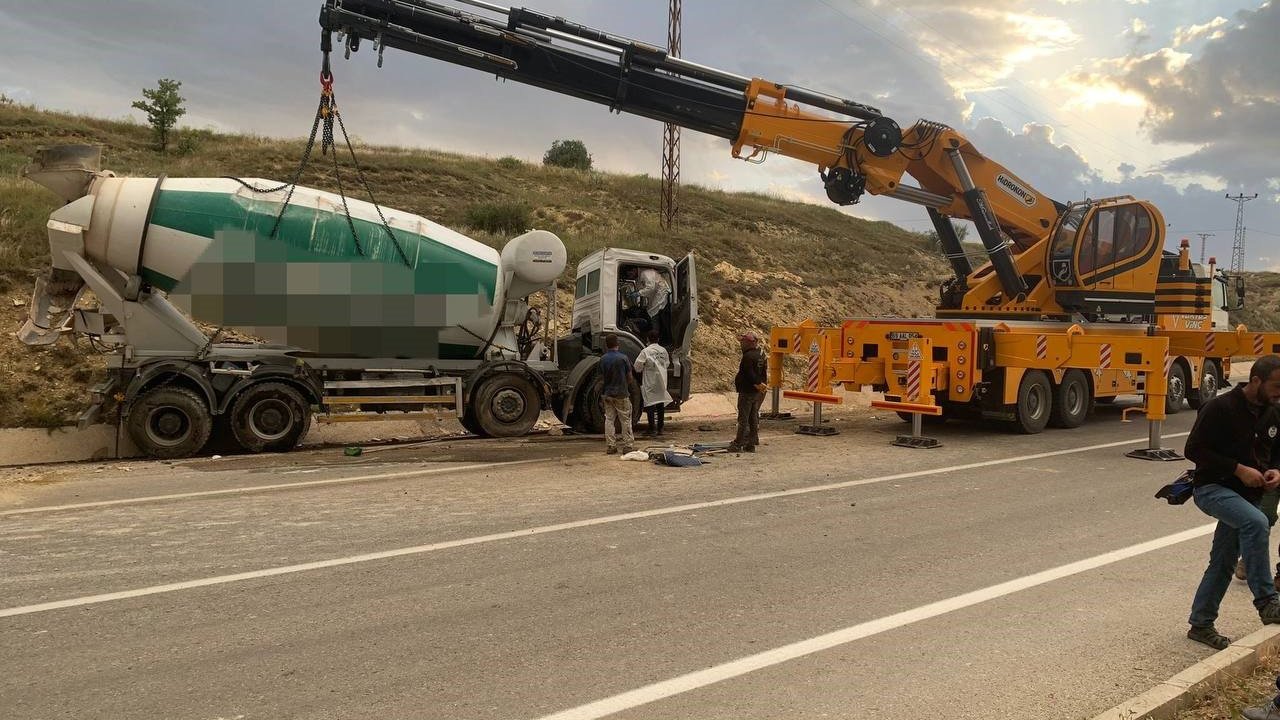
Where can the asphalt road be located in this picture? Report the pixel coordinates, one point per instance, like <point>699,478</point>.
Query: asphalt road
<point>1000,576</point>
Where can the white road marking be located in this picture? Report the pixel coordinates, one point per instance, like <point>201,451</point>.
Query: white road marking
<point>527,532</point>
<point>778,655</point>
<point>261,488</point>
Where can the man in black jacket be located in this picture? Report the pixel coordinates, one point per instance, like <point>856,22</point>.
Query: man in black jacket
<point>1236,450</point>
<point>750,382</point>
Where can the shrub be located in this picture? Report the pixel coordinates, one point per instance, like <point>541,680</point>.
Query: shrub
<point>499,218</point>
<point>568,154</point>
<point>509,163</point>
<point>188,144</point>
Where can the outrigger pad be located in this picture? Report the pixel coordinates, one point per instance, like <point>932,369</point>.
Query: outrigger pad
<point>916,443</point>
<point>821,430</point>
<point>1163,454</point>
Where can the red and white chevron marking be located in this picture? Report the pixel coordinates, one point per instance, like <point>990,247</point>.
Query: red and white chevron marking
<point>913,381</point>
<point>795,342</point>
<point>811,380</point>
<point>1042,346</point>
<point>1104,353</point>
<point>1208,344</point>
<point>1258,345</point>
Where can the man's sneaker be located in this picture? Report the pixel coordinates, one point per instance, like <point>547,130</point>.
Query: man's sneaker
<point>1210,636</point>
<point>611,451</point>
<point>748,448</point>
<point>734,448</point>
<point>626,449</point>
<point>1262,712</point>
<point>1270,613</point>
<point>1240,573</point>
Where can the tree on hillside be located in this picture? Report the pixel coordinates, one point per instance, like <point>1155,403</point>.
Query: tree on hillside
<point>568,154</point>
<point>163,106</point>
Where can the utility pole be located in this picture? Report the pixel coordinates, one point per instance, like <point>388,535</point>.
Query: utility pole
<point>1203,238</point>
<point>671,133</point>
<point>1237,247</point>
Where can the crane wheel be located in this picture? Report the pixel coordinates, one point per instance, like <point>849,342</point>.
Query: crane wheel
<point>1072,400</point>
<point>1177,389</point>
<point>270,417</point>
<point>169,422</point>
<point>1209,385</point>
<point>1035,403</point>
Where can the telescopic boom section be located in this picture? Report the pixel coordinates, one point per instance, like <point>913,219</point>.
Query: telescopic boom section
<point>857,150</point>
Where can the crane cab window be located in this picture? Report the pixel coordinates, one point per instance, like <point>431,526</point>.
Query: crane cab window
<point>1114,235</point>
<point>1062,254</point>
<point>586,284</point>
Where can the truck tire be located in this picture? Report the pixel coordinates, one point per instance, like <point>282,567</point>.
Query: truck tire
<point>169,422</point>
<point>1209,384</point>
<point>269,417</point>
<point>1072,400</point>
<point>1035,403</point>
<point>506,405</point>
<point>1177,390</point>
<point>589,411</point>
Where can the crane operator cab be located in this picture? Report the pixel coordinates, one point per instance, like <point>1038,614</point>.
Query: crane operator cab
<point>1104,257</point>
<point>628,293</point>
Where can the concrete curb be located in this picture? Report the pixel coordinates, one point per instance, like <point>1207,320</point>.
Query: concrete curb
<point>1182,690</point>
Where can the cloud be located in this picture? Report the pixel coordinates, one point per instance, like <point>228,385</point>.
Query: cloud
<point>1136,30</point>
<point>1184,35</point>
<point>978,44</point>
<point>1225,100</point>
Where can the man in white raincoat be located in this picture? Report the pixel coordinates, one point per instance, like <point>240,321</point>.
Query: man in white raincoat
<point>653,293</point>
<point>652,364</point>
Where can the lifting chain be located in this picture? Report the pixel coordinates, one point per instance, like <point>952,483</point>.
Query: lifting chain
<point>326,114</point>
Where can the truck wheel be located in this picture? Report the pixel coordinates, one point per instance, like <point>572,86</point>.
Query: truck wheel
<point>169,422</point>
<point>1209,385</point>
<point>588,412</point>
<point>270,417</point>
<point>506,405</point>
<point>1035,403</point>
<point>1177,390</point>
<point>1071,400</point>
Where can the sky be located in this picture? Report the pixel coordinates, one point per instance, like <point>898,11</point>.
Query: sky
<point>1173,101</point>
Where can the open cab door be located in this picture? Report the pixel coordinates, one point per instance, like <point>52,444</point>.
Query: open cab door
<point>684,323</point>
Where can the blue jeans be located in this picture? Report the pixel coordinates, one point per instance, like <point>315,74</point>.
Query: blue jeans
<point>1243,531</point>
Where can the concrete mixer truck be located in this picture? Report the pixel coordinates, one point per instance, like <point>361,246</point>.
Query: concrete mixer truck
<point>362,312</point>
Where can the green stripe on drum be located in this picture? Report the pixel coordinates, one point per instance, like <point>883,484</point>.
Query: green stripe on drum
<point>320,236</point>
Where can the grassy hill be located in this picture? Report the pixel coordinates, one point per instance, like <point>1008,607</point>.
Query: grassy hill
<point>761,260</point>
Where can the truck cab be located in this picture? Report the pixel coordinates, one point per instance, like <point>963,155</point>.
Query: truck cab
<point>605,300</point>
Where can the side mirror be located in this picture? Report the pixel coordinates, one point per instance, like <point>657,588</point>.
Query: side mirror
<point>1239,292</point>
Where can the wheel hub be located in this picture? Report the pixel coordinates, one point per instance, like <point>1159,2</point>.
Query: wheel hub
<point>168,426</point>
<point>270,419</point>
<point>508,405</point>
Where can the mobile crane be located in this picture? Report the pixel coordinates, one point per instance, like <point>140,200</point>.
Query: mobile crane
<point>1076,302</point>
